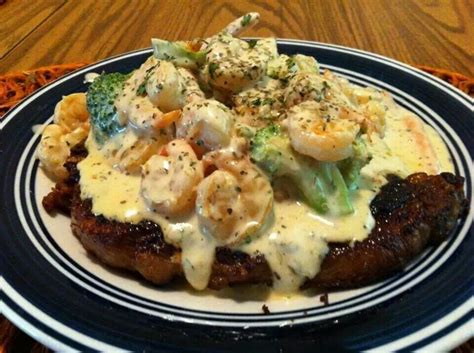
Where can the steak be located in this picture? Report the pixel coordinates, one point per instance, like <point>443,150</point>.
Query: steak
<point>411,214</point>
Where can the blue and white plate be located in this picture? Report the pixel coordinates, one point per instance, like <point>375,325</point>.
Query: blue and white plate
<point>65,299</point>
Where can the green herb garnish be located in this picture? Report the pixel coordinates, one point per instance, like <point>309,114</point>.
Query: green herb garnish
<point>246,20</point>
<point>212,69</point>
<point>252,43</point>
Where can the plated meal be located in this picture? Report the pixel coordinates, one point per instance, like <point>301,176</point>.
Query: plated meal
<point>224,162</point>
<point>347,176</point>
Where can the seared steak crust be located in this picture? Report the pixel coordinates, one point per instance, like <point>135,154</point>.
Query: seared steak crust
<point>410,215</point>
<point>59,199</point>
<point>142,247</point>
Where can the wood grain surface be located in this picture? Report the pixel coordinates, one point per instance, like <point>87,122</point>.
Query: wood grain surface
<point>38,33</point>
<point>11,33</point>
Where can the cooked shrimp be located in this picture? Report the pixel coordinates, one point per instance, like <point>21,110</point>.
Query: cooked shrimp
<point>284,67</point>
<point>368,106</point>
<point>145,118</point>
<point>132,88</point>
<point>233,65</point>
<point>169,182</point>
<point>206,122</point>
<point>306,86</point>
<point>154,94</point>
<point>192,91</point>
<point>71,112</point>
<point>129,151</point>
<point>258,107</point>
<point>71,127</point>
<point>242,23</point>
<point>53,151</point>
<point>321,131</point>
<point>233,202</point>
<point>170,88</point>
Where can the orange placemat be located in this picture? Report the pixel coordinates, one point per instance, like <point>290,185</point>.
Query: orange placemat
<point>17,85</point>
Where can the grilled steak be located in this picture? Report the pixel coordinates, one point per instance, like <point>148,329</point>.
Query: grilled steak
<point>410,214</point>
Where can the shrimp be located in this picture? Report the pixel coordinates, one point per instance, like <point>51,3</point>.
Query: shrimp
<point>258,107</point>
<point>71,112</point>
<point>154,95</point>
<point>192,91</point>
<point>207,123</point>
<point>145,118</point>
<point>284,67</point>
<point>151,103</point>
<point>304,86</point>
<point>242,23</point>
<point>234,201</point>
<point>71,127</point>
<point>129,151</point>
<point>53,151</point>
<point>368,106</point>
<point>322,131</point>
<point>169,182</point>
<point>233,65</point>
<point>170,88</point>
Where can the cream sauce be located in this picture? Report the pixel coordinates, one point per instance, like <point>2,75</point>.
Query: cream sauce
<point>295,241</point>
<point>445,161</point>
<point>116,196</point>
<point>289,241</point>
<point>417,145</point>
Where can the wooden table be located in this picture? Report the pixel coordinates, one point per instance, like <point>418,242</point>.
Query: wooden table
<point>38,33</point>
<point>46,32</point>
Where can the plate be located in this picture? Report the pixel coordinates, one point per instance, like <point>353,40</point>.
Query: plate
<point>65,299</point>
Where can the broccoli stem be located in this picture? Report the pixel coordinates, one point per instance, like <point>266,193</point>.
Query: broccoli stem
<point>309,184</point>
<point>339,192</point>
<point>324,189</point>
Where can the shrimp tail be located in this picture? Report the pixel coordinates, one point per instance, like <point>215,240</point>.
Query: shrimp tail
<point>166,119</point>
<point>242,23</point>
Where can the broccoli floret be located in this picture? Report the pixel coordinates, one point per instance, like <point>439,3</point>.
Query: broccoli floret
<point>178,53</point>
<point>350,167</point>
<point>101,96</point>
<point>321,183</point>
